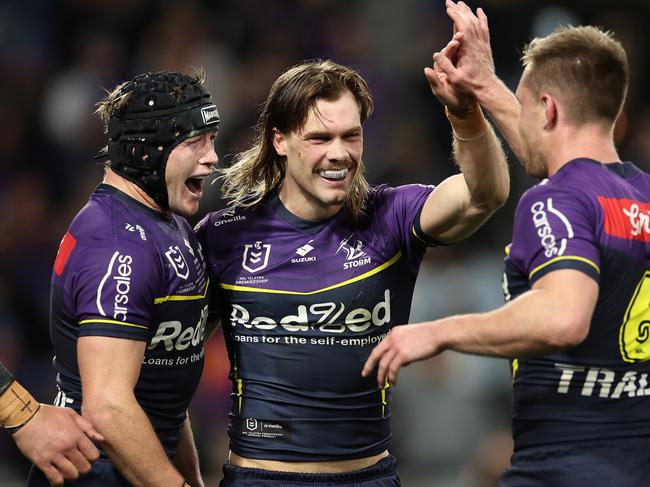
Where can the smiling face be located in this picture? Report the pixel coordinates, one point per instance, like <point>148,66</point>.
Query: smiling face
<point>322,158</point>
<point>187,167</point>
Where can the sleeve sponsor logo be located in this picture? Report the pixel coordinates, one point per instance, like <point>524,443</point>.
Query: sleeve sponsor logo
<point>626,218</point>
<point>66,247</point>
<point>118,273</point>
<point>552,246</point>
<point>256,256</point>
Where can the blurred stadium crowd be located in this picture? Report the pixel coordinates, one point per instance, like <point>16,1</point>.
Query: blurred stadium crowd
<point>451,414</point>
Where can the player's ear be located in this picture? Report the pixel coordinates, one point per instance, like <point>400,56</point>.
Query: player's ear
<point>550,111</point>
<point>279,142</point>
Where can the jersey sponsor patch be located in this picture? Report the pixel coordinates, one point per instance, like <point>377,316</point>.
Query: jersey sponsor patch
<point>66,247</point>
<point>626,218</point>
<point>548,222</point>
<point>261,428</point>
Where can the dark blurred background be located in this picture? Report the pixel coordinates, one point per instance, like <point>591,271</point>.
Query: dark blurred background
<point>451,414</point>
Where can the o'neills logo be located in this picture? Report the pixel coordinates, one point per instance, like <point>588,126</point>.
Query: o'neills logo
<point>210,114</point>
<point>625,218</point>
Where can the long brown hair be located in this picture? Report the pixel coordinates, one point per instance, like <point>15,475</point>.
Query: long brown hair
<point>260,169</point>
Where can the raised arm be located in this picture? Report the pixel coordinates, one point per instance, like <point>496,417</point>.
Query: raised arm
<point>474,72</point>
<point>461,203</point>
<point>109,369</point>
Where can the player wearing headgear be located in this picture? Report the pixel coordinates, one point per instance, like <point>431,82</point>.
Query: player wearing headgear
<point>313,266</point>
<point>129,285</point>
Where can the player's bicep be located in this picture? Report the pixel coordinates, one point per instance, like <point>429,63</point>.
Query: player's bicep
<point>448,214</point>
<point>108,366</point>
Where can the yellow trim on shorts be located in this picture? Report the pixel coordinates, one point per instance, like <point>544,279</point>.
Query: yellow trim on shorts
<point>376,270</point>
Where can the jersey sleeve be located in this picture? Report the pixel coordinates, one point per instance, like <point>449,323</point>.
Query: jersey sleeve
<point>114,288</point>
<point>555,229</point>
<point>401,207</point>
<point>203,234</point>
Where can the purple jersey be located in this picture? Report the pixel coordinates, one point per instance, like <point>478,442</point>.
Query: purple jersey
<point>594,218</point>
<point>302,305</point>
<point>126,271</point>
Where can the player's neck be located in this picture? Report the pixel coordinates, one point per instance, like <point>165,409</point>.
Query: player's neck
<point>592,142</point>
<point>131,189</point>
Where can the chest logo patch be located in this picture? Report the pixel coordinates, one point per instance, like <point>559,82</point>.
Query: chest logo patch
<point>355,256</point>
<point>256,256</point>
<point>177,260</point>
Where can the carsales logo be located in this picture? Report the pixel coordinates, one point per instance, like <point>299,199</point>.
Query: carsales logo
<point>552,246</point>
<point>118,272</point>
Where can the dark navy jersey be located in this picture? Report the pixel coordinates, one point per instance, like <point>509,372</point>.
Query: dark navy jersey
<point>126,271</point>
<point>594,218</point>
<point>302,305</point>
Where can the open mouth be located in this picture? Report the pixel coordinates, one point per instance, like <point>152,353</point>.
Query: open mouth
<point>338,175</point>
<point>194,185</point>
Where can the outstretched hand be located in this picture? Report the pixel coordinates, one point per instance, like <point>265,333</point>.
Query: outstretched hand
<point>58,441</point>
<point>402,346</point>
<point>449,94</point>
<point>471,66</point>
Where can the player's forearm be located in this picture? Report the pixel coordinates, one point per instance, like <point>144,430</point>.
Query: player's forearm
<point>187,459</point>
<point>531,325</point>
<point>131,442</point>
<point>482,162</point>
<point>504,108</point>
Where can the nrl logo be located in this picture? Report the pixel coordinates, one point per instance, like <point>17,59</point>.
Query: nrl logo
<point>256,256</point>
<point>176,259</point>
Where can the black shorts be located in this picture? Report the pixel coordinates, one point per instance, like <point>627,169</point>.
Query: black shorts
<point>381,474</point>
<point>102,474</point>
<point>621,462</point>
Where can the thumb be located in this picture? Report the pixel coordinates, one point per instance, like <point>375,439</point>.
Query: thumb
<point>445,65</point>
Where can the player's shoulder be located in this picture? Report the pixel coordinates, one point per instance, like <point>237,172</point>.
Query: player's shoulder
<point>230,216</point>
<point>386,194</point>
<point>108,220</point>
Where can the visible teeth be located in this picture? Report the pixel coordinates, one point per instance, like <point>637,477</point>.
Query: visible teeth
<point>334,174</point>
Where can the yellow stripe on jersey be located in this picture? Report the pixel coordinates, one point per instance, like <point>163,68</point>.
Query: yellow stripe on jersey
<point>568,257</point>
<point>113,322</point>
<point>182,297</point>
<point>376,270</point>
<point>515,368</point>
<point>383,397</point>
<point>418,237</point>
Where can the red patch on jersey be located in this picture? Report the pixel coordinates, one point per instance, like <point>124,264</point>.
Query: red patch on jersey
<point>65,249</point>
<point>625,218</point>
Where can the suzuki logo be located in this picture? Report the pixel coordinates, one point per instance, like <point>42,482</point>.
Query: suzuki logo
<point>256,256</point>
<point>304,250</point>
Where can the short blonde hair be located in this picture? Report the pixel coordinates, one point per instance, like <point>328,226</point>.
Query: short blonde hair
<point>585,67</point>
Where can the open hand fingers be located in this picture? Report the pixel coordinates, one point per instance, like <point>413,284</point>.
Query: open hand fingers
<point>88,449</point>
<point>374,357</point>
<point>485,28</point>
<point>383,367</point>
<point>65,467</point>
<point>79,461</point>
<point>52,475</point>
<point>88,428</point>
